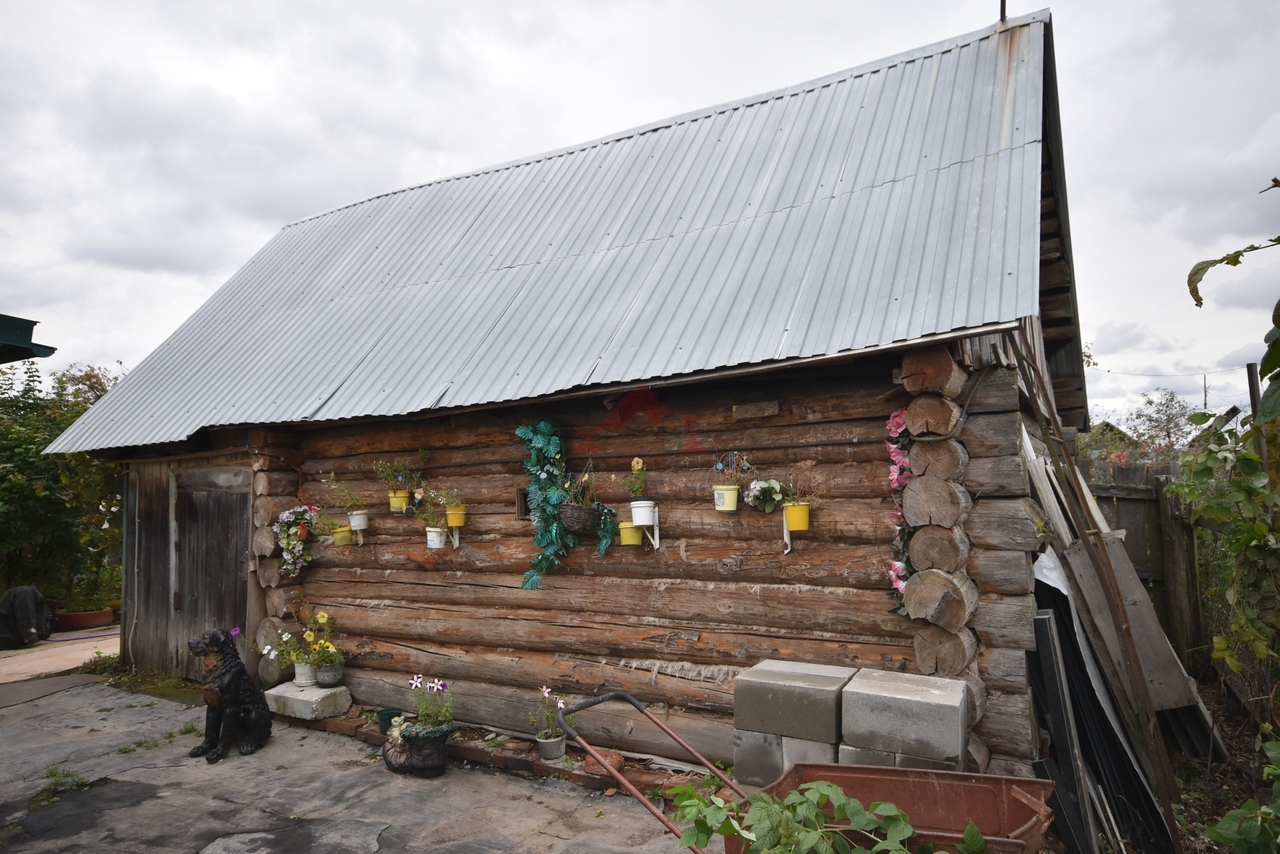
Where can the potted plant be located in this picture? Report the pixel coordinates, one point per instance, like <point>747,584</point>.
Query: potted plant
<point>795,507</point>
<point>327,525</point>
<point>418,747</point>
<point>546,729</point>
<point>293,529</point>
<point>400,479</point>
<point>642,506</point>
<point>353,504</point>
<point>455,511</point>
<point>764,494</point>
<point>427,508</point>
<point>325,657</point>
<point>288,650</point>
<point>578,511</point>
<point>728,475</point>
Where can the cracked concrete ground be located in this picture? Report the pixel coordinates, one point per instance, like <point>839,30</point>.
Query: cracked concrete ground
<point>305,791</point>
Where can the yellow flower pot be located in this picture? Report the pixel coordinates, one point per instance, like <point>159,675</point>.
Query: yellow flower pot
<point>456,517</point>
<point>342,535</point>
<point>797,516</point>
<point>726,497</point>
<point>630,535</point>
<point>399,499</point>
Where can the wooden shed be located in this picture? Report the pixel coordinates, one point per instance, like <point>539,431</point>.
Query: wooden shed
<point>775,276</point>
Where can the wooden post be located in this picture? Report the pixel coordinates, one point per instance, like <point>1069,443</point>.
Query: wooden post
<point>1183,596</point>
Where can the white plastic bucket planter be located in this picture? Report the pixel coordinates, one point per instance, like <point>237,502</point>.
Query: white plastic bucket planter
<point>642,512</point>
<point>359,519</point>
<point>726,497</point>
<point>435,538</point>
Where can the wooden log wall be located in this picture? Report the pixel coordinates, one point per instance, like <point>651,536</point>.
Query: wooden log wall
<point>673,626</point>
<point>973,532</point>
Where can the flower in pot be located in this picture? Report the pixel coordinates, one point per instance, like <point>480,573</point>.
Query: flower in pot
<point>418,746</point>
<point>293,529</point>
<point>764,494</point>
<point>795,507</point>
<point>546,729</point>
<point>455,510</point>
<point>353,504</point>
<point>642,506</point>
<point>327,525</point>
<point>324,656</point>
<point>426,507</point>
<point>288,650</point>
<point>401,479</point>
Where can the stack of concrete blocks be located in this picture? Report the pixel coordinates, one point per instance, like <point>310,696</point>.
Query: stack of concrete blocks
<point>787,712</point>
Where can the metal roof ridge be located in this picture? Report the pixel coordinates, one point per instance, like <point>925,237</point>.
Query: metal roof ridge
<point>706,112</point>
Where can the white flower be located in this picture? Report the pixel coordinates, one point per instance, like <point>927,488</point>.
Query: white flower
<point>546,692</point>
<point>559,704</point>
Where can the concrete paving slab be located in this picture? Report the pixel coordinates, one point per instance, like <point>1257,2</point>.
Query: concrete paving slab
<point>12,693</point>
<point>62,651</point>
<point>304,791</point>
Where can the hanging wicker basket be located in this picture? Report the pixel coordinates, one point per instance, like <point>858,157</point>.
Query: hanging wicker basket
<point>583,521</point>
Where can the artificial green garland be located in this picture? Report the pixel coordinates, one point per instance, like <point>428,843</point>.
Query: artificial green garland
<point>550,485</point>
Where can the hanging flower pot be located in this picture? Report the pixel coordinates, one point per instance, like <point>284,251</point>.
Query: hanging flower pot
<point>359,519</point>
<point>456,516</point>
<point>726,497</point>
<point>583,521</point>
<point>342,535</point>
<point>629,534</point>
<point>399,500</point>
<point>435,538</point>
<point>797,516</point>
<point>642,511</point>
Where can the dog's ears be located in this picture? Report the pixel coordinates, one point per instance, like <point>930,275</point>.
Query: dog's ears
<point>219,638</point>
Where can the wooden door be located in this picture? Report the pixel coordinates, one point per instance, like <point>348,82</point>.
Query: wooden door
<point>211,513</point>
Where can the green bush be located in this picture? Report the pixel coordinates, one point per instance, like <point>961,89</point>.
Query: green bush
<point>59,513</point>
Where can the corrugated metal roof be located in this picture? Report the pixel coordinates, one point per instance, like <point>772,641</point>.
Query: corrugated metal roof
<point>882,204</point>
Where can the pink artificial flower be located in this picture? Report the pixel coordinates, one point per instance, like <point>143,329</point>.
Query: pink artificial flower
<point>235,631</point>
<point>899,456</point>
<point>897,571</point>
<point>897,423</point>
<point>898,476</point>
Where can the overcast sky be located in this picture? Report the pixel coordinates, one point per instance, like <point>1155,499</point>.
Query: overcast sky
<point>147,150</point>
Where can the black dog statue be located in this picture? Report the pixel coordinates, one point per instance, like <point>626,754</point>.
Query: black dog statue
<point>237,709</point>
<point>24,619</point>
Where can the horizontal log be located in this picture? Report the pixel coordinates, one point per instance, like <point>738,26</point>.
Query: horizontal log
<point>998,476</point>
<point>1009,726</point>
<point>827,609</point>
<point>1004,669</point>
<point>994,435</point>
<point>615,725</point>
<point>267,508</point>
<point>650,681</point>
<point>942,653</point>
<point>812,563</point>
<point>264,542</point>
<point>1010,766</point>
<point>932,415</point>
<point>946,459</point>
<point>1006,622</point>
<point>283,601</point>
<point>618,636</point>
<point>931,369</point>
<point>942,598</point>
<point>933,501</point>
<point>275,483</point>
<point>274,458</point>
<point>1007,524</point>
<point>934,547</point>
<point>1001,571</point>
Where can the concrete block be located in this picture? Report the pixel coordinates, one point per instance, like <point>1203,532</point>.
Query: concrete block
<point>802,750</point>
<point>791,698</point>
<point>309,704</point>
<point>905,713</point>
<point>850,755</point>
<point>902,760</point>
<point>757,757</point>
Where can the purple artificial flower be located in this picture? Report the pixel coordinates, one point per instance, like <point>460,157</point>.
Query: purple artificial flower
<point>235,631</point>
<point>416,682</point>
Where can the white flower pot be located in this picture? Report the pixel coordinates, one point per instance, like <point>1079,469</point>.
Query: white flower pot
<point>435,538</point>
<point>304,675</point>
<point>359,519</point>
<point>642,512</point>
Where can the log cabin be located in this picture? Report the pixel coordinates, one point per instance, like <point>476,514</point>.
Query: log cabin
<point>776,276</point>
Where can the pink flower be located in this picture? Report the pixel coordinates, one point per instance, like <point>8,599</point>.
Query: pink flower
<point>899,456</point>
<point>897,423</point>
<point>235,631</point>
<point>898,476</point>
<point>897,572</point>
